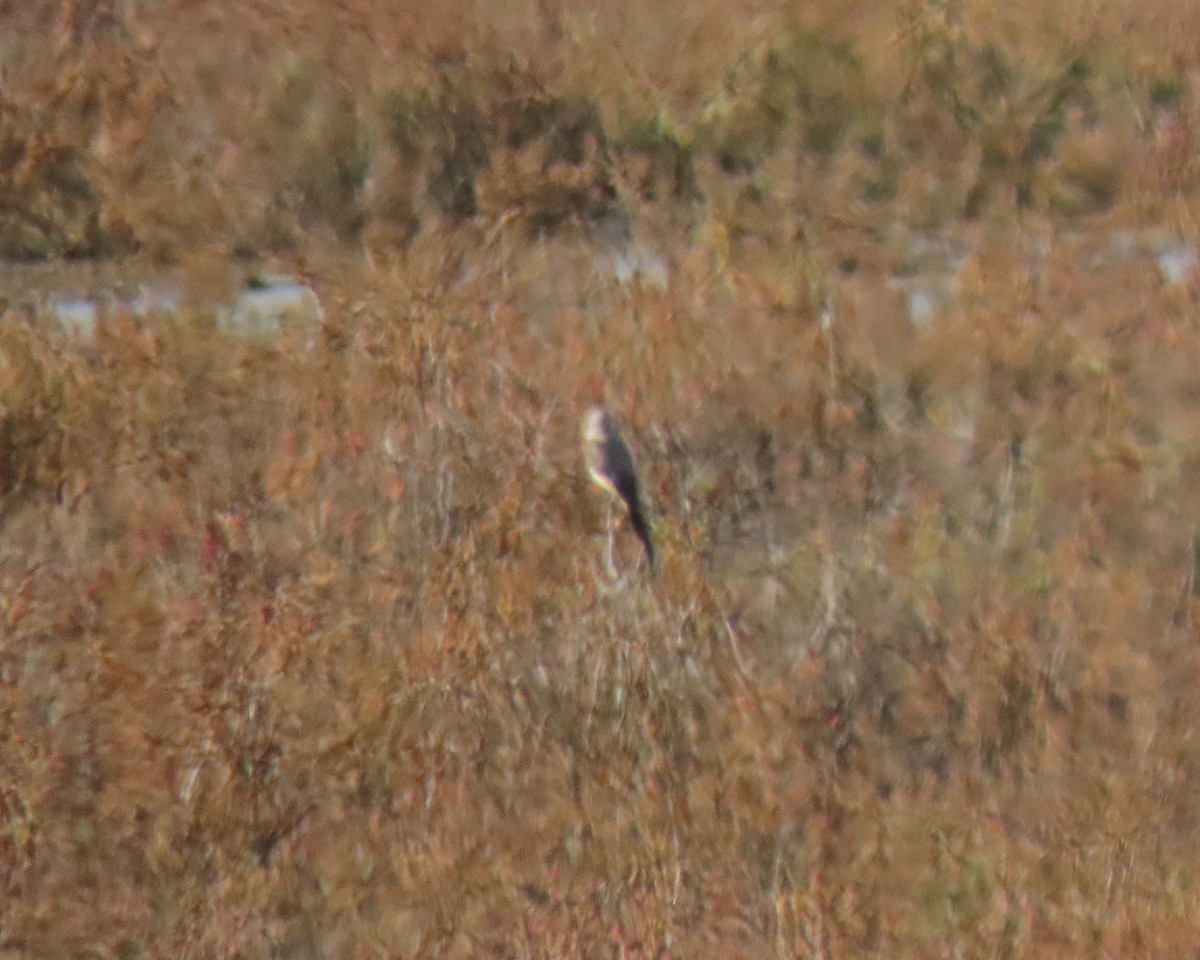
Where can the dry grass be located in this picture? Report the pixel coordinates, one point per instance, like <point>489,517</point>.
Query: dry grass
<point>307,651</point>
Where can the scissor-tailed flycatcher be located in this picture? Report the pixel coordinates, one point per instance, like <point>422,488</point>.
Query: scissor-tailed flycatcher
<point>611,466</point>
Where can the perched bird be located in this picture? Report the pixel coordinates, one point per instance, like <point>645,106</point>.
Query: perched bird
<point>611,467</point>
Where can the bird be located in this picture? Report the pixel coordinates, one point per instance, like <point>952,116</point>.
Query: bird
<point>610,465</point>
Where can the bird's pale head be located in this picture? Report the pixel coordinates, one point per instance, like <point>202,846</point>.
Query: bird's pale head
<point>595,427</point>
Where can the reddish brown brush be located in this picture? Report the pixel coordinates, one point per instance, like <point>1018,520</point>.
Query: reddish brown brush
<point>305,650</point>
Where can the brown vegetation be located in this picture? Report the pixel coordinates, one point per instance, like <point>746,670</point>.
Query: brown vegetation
<point>308,651</point>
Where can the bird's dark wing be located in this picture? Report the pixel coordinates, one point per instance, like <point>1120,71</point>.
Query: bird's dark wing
<point>642,529</point>
<point>618,465</point>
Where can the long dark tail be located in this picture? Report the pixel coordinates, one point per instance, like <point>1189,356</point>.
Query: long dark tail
<point>642,529</point>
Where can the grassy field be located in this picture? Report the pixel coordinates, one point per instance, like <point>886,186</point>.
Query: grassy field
<point>307,650</point>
